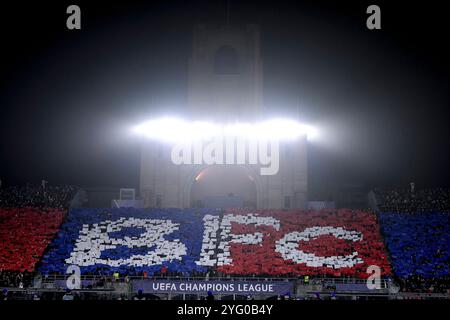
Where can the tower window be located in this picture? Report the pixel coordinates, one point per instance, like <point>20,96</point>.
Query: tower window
<point>226,61</point>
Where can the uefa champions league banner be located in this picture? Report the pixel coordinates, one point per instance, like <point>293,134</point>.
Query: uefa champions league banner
<point>185,241</point>
<point>217,287</point>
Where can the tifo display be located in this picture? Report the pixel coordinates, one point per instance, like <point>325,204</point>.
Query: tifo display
<point>419,244</point>
<point>38,236</point>
<point>237,242</point>
<point>24,235</point>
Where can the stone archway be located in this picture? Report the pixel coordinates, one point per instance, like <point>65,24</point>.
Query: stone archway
<point>245,175</point>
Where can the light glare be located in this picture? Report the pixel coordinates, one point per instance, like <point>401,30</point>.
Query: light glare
<point>178,130</point>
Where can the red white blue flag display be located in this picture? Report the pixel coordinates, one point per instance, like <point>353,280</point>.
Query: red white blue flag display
<point>237,242</point>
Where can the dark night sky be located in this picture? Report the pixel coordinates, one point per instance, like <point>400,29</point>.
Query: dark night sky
<point>381,98</point>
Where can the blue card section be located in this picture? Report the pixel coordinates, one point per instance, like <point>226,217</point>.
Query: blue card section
<point>125,240</point>
<point>418,243</point>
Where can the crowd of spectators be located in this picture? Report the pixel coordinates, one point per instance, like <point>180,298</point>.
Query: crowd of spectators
<point>410,200</point>
<point>417,283</point>
<point>37,196</point>
<point>419,248</point>
<point>403,237</point>
<point>25,234</point>
<point>15,279</point>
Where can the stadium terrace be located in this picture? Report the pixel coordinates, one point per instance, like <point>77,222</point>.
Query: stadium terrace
<point>224,246</point>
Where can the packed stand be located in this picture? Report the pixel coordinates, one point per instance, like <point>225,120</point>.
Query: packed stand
<point>24,235</point>
<point>333,243</point>
<point>409,200</point>
<point>30,217</point>
<point>419,246</point>
<point>129,241</point>
<point>114,244</point>
<point>200,242</point>
<point>43,196</point>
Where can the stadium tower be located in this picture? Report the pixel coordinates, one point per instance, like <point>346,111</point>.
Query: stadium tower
<point>225,85</point>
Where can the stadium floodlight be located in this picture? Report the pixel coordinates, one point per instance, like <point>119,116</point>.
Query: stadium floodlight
<point>178,130</point>
<point>283,129</point>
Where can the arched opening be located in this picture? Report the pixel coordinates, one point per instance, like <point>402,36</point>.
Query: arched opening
<point>224,186</point>
<point>226,61</point>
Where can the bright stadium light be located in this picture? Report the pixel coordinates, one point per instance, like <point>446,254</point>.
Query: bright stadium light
<point>311,132</point>
<point>178,130</point>
<point>282,129</point>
